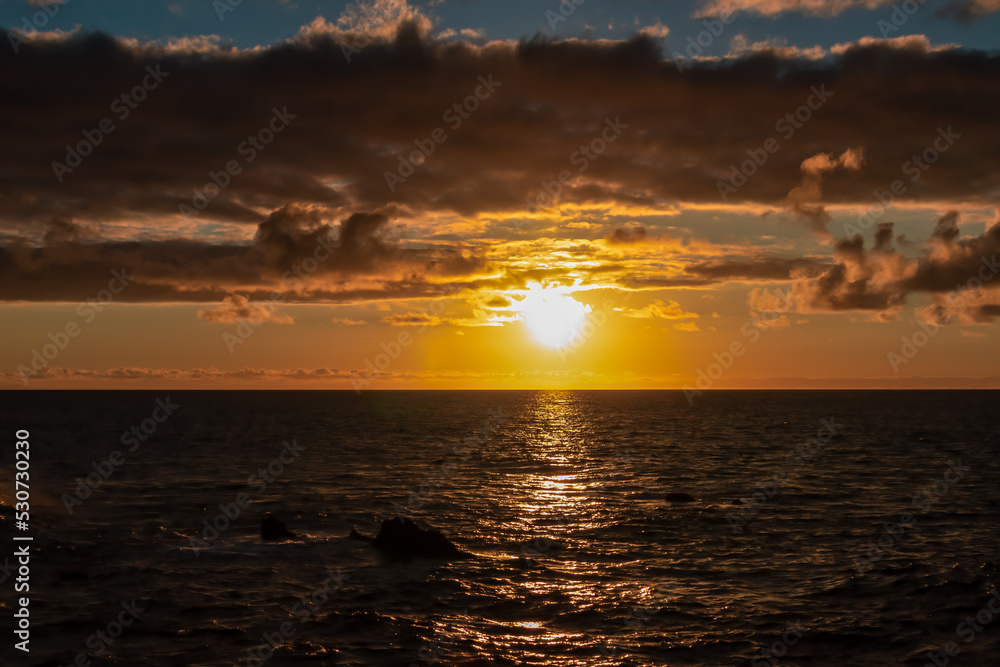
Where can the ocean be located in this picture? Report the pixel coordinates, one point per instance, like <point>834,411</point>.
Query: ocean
<point>603,527</point>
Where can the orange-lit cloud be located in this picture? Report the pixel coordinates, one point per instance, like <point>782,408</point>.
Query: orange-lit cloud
<point>238,308</point>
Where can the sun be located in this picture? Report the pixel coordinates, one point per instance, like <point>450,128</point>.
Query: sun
<point>551,314</point>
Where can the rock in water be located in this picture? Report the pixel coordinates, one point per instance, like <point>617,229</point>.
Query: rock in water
<point>358,536</point>
<point>401,537</point>
<point>273,530</point>
<point>681,498</point>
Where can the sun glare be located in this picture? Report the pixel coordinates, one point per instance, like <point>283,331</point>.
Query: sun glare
<point>553,316</point>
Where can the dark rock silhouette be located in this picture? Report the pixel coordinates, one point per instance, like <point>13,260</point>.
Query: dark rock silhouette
<point>273,530</point>
<point>681,498</point>
<point>403,538</point>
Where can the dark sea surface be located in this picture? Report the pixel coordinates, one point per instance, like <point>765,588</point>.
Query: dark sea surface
<point>848,554</point>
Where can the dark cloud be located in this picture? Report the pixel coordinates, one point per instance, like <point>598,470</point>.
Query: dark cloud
<point>295,253</point>
<point>349,123</point>
<point>960,275</point>
<point>967,11</point>
<point>989,311</point>
<point>498,301</point>
<point>946,228</point>
<point>348,131</point>
<point>637,283</point>
<point>765,269</point>
<point>859,280</point>
<point>412,320</point>
<point>64,231</point>
<point>363,243</point>
<point>632,233</point>
<point>953,263</point>
<point>238,308</point>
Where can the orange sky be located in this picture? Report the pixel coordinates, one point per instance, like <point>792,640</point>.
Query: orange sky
<point>559,213</point>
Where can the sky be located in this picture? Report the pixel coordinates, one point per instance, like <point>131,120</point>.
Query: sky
<point>476,195</point>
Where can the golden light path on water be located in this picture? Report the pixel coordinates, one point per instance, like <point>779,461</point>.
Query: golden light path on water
<point>557,502</point>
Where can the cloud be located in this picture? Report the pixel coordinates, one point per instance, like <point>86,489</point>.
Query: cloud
<point>370,19</point>
<point>631,233</point>
<point>656,30</point>
<point>802,199</point>
<point>859,280</point>
<point>238,308</point>
<point>687,326</point>
<point>959,274</point>
<point>763,269</point>
<point>320,185</point>
<point>296,252</point>
<point>916,44</point>
<point>248,377</point>
<point>774,46</point>
<point>825,8</point>
<point>967,11</point>
<point>412,320</point>
<point>954,264</point>
<point>671,310</point>
<point>965,307</point>
<point>497,301</point>
<point>347,322</point>
<point>172,374</point>
<point>346,137</point>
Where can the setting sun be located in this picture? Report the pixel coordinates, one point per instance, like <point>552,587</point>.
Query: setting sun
<point>553,316</point>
